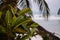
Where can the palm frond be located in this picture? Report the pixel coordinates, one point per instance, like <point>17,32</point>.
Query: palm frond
<point>22,23</point>
<point>44,8</point>
<point>24,11</point>
<point>2,29</point>
<point>0,14</point>
<point>27,3</point>
<point>8,17</point>
<point>17,20</point>
<point>19,30</point>
<point>47,9</point>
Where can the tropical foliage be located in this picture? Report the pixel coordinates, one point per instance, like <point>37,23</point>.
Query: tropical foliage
<point>14,20</point>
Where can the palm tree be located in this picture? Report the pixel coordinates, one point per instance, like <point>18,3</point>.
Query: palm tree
<point>14,20</point>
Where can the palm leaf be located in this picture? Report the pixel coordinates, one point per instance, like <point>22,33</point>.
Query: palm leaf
<point>27,2</point>
<point>8,18</point>
<point>13,20</point>
<point>47,9</point>
<point>0,14</point>
<point>32,32</point>
<point>25,10</point>
<point>25,37</point>
<point>13,10</point>
<point>19,30</point>
<point>44,7</point>
<point>22,23</point>
<point>2,29</point>
<point>17,20</point>
<point>34,25</point>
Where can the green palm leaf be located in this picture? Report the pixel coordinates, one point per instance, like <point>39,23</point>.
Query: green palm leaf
<point>8,17</point>
<point>34,25</point>
<point>17,20</point>
<point>0,14</point>
<point>19,30</point>
<point>24,11</point>
<point>2,29</point>
<point>22,23</point>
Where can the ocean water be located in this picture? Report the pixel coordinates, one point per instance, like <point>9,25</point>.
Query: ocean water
<point>51,25</point>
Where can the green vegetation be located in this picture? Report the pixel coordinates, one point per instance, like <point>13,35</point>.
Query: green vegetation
<point>13,20</point>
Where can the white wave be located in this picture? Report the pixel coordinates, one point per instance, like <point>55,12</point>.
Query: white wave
<point>49,18</point>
